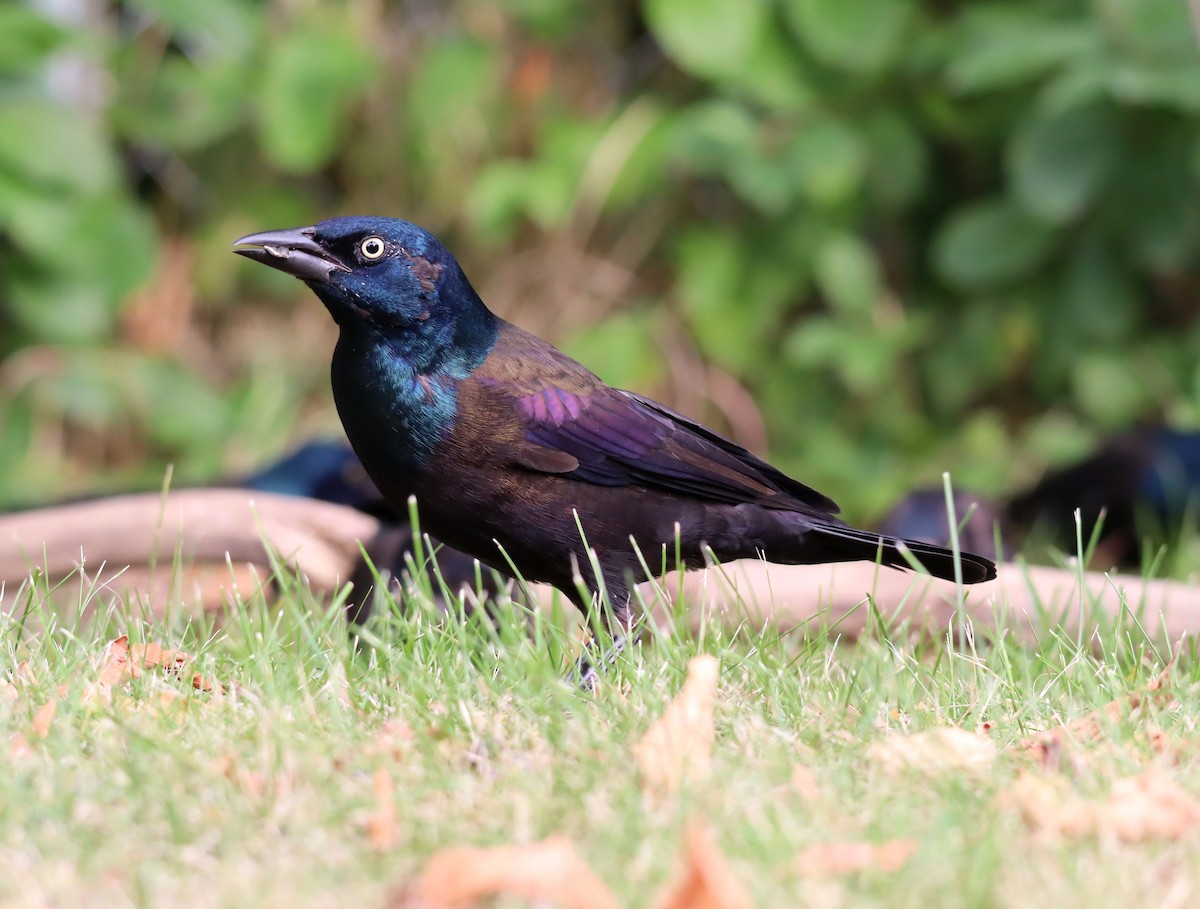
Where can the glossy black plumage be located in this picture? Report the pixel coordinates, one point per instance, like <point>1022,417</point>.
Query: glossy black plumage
<point>330,471</point>
<point>509,445</point>
<point>1137,485</point>
<point>323,469</point>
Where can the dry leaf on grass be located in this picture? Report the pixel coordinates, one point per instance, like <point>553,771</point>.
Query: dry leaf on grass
<point>381,825</point>
<point>1161,743</point>
<point>1048,747</point>
<point>933,751</point>
<point>121,663</point>
<point>154,655</point>
<point>19,747</point>
<point>705,880</point>
<point>201,683</point>
<point>22,676</point>
<point>1148,806</point>
<point>124,661</point>
<point>1048,806</point>
<point>254,783</point>
<point>550,871</point>
<point>804,782</point>
<point>846,858</point>
<point>22,680</point>
<point>394,739</point>
<point>678,747</point>
<point>43,718</point>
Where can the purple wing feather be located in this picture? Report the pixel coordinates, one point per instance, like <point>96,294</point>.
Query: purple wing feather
<point>574,425</point>
<point>622,439</point>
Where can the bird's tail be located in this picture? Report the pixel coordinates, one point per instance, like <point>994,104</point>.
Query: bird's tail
<point>846,544</point>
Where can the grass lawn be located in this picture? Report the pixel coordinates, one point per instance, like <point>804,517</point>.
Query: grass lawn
<point>324,777</point>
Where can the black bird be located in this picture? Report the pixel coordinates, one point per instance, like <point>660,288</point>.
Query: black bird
<point>510,446</point>
<point>323,469</point>
<point>1139,483</point>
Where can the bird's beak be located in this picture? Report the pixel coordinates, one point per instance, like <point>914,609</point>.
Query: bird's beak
<point>292,251</point>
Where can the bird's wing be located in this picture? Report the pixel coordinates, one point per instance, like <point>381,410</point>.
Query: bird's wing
<point>569,422</point>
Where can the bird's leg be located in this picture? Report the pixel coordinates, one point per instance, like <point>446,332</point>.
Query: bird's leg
<point>593,661</point>
<point>624,628</point>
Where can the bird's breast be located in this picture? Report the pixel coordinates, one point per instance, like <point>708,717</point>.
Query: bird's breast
<point>394,417</point>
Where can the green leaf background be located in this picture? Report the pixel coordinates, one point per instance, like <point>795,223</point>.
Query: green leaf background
<point>918,237</point>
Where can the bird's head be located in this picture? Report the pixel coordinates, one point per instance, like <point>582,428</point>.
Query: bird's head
<point>380,272</point>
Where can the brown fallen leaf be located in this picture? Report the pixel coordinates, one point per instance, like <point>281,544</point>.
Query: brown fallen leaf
<point>804,782</point>
<point>677,748</point>
<point>165,702</point>
<point>1048,806</point>
<point>19,747</point>
<point>117,665</point>
<point>21,679</point>
<point>123,661</point>
<point>933,751</point>
<point>200,683</point>
<point>154,656</point>
<point>381,825</point>
<point>1161,743</point>
<point>704,880</point>
<point>846,858</point>
<point>43,718</point>
<point>23,674</point>
<point>549,871</point>
<point>1049,746</point>
<point>392,741</point>
<point>254,783</point>
<point>1148,806</point>
<point>394,730</point>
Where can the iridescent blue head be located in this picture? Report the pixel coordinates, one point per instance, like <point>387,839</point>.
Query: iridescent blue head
<point>386,276</point>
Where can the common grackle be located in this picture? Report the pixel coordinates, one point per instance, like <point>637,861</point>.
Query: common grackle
<point>511,448</point>
<point>1142,481</point>
<point>323,469</point>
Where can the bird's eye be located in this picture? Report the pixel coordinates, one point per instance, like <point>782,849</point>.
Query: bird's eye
<point>372,248</point>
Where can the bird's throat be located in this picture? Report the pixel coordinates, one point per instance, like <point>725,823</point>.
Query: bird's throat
<point>395,407</point>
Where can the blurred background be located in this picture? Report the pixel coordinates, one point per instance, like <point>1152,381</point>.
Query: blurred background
<point>875,240</point>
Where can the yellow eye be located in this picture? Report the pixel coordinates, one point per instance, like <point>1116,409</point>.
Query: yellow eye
<point>372,248</point>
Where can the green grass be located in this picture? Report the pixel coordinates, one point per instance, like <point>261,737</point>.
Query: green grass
<point>263,796</point>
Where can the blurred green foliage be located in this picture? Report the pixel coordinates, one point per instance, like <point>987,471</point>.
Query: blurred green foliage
<point>921,235</point>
